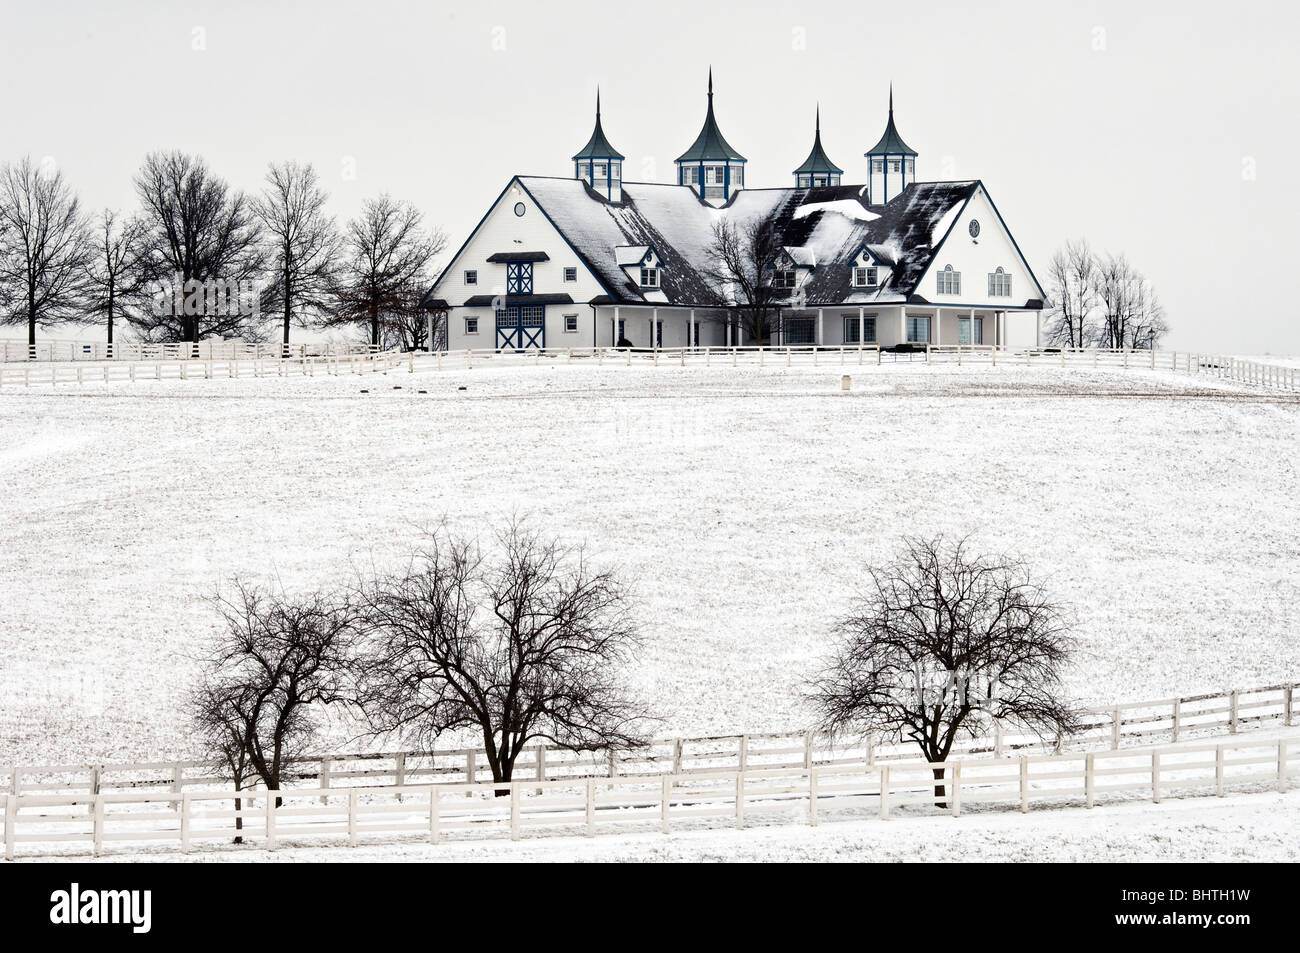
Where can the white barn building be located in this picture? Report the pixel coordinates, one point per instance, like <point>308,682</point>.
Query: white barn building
<point>593,260</point>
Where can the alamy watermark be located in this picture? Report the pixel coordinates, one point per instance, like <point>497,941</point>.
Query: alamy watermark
<point>215,297</point>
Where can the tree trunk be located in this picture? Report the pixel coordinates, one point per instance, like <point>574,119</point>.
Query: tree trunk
<point>287,313</point>
<point>110,315</point>
<point>939,792</point>
<point>374,323</point>
<point>31,316</point>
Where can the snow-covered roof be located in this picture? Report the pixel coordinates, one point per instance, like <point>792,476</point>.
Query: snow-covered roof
<point>823,226</point>
<point>803,257</point>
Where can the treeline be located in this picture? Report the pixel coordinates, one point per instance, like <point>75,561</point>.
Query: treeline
<point>198,258</point>
<point>1101,300</point>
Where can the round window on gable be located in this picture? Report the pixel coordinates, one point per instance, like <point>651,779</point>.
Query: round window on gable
<point>520,209</point>
<point>974,228</point>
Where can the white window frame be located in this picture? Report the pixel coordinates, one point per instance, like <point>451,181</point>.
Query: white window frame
<point>999,283</point>
<point>866,276</point>
<point>570,274</point>
<point>851,321</point>
<point>471,276</point>
<point>914,326</point>
<point>948,281</point>
<point>785,279</point>
<point>649,277</point>
<point>471,324</point>
<point>570,318</point>
<point>963,329</point>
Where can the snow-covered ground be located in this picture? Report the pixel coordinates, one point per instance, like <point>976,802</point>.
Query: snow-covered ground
<point>743,503</point>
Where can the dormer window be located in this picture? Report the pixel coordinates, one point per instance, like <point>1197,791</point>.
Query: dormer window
<point>949,281</point>
<point>866,277</point>
<point>999,284</point>
<point>649,277</point>
<point>784,278</point>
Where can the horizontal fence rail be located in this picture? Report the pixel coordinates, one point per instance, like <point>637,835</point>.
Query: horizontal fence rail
<point>478,811</point>
<point>1106,728</point>
<point>77,350</point>
<point>208,368</point>
<point>223,359</point>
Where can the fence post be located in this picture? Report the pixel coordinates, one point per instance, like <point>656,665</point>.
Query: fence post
<point>677,756</point>
<point>1024,784</point>
<point>744,752</point>
<point>271,798</point>
<point>471,773</point>
<point>435,814</point>
<point>399,768</point>
<point>665,793</point>
<point>956,787</point>
<point>1232,712</point>
<point>185,823</point>
<point>324,778</point>
<point>1114,729</point>
<point>871,750</point>
<point>11,812</point>
<point>98,835</point>
<point>591,806</point>
<point>1287,697</point>
<point>514,810</point>
<point>807,749</point>
<point>997,738</point>
<point>541,766</point>
<point>352,817</point>
<point>1155,776</point>
<point>740,799</point>
<point>812,797</point>
<point>1281,765</point>
<point>1088,776</point>
<point>884,792</point>
<point>1178,716</point>
<point>1218,770</point>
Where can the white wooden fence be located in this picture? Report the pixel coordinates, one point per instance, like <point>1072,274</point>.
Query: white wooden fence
<point>589,805</point>
<point>209,350</point>
<point>1109,728</point>
<point>29,373</point>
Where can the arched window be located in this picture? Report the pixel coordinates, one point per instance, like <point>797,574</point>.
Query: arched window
<point>999,284</point>
<point>949,281</point>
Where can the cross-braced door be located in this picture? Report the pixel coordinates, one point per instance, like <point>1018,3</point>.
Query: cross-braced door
<point>521,327</point>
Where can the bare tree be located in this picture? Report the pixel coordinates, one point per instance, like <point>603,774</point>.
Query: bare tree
<point>387,255</point>
<point>1132,316</point>
<point>526,645</point>
<point>741,259</point>
<point>277,662</point>
<point>1072,288</point>
<point>44,246</point>
<point>111,270</point>
<point>942,642</point>
<point>195,229</point>
<point>303,242</point>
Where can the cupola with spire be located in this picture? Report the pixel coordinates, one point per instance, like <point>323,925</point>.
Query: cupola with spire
<point>891,163</point>
<point>817,170</point>
<point>599,164</point>
<point>711,166</point>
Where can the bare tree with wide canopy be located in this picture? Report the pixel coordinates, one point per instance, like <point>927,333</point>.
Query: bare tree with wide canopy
<point>942,642</point>
<point>528,643</point>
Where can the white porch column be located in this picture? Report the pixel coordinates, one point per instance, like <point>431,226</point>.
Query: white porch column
<point>821,329</point>
<point>690,331</point>
<point>938,327</point>
<point>902,325</point>
<point>862,327</point>
<point>728,330</point>
<point>428,341</point>
<point>613,341</point>
<point>972,325</point>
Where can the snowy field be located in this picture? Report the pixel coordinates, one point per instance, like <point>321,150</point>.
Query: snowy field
<point>743,503</point>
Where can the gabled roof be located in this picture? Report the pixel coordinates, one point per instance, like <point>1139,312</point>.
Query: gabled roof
<point>891,143</point>
<point>710,144</point>
<point>829,225</point>
<point>598,146</point>
<point>817,160</point>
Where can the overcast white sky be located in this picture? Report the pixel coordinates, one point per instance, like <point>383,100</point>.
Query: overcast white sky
<point>1167,130</point>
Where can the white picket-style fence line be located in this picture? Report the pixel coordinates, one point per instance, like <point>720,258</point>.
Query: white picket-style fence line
<point>589,805</point>
<point>1108,728</point>
<point>209,350</point>
<point>57,372</point>
<point>233,359</point>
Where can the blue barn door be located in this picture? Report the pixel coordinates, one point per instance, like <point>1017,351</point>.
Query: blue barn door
<point>520,327</point>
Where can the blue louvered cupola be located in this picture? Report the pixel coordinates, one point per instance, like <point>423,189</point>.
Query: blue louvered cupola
<point>711,166</point>
<point>599,164</point>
